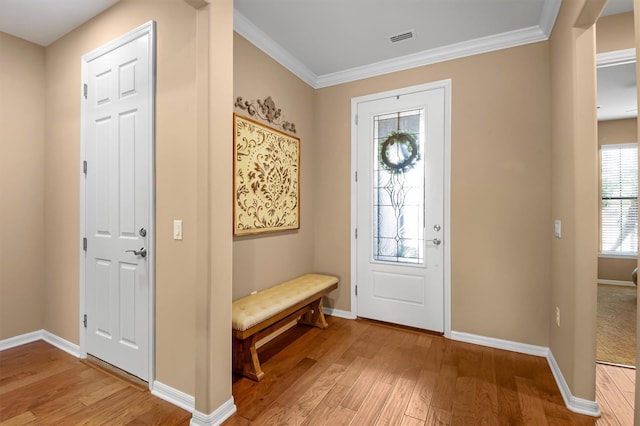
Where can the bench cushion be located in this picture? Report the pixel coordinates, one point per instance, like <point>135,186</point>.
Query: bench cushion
<point>255,308</point>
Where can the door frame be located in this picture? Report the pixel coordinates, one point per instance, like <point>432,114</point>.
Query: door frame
<point>148,28</point>
<point>441,84</point>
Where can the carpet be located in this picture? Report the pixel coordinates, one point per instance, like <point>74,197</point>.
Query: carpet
<point>616,331</point>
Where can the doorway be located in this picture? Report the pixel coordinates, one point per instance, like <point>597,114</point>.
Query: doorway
<point>117,202</point>
<point>400,206</point>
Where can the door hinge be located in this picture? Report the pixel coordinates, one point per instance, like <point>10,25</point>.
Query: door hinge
<point>356,295</point>
<point>85,90</point>
<point>356,119</point>
<point>84,320</point>
<point>356,176</point>
<point>84,244</point>
<point>84,167</point>
<point>356,233</point>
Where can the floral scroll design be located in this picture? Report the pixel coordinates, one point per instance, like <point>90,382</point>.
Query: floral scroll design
<point>266,110</point>
<point>266,179</point>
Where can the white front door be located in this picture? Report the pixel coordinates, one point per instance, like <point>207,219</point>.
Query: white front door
<point>400,208</point>
<point>117,139</point>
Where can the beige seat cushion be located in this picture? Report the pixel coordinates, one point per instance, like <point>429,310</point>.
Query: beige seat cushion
<point>255,308</point>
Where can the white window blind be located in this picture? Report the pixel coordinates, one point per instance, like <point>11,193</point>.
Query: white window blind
<point>619,199</point>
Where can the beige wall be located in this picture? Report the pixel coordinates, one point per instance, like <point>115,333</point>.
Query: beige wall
<point>21,186</point>
<point>615,32</point>
<point>176,157</point>
<point>503,143</point>
<point>574,198</point>
<point>262,261</point>
<point>615,269</point>
<point>500,188</point>
<point>614,132</point>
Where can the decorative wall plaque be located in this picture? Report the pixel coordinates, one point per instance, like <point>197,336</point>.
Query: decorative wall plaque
<point>266,179</point>
<point>267,111</point>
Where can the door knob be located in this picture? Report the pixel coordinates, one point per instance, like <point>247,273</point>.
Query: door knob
<point>142,252</point>
<point>436,241</point>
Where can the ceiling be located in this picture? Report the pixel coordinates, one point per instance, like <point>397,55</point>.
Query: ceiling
<point>327,42</point>
<point>334,41</point>
<point>44,21</point>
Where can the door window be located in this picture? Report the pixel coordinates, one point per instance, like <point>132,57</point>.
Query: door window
<point>398,187</point>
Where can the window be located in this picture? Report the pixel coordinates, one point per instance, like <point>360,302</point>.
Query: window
<point>398,187</point>
<point>619,199</point>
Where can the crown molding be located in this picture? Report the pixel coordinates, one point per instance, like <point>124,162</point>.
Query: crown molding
<point>550,10</point>
<point>262,41</point>
<point>434,56</point>
<point>616,57</point>
<point>534,34</point>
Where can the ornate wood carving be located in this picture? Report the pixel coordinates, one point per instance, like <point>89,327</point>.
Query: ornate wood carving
<point>266,110</point>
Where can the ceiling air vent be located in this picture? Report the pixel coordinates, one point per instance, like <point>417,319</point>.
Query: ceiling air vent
<point>406,35</point>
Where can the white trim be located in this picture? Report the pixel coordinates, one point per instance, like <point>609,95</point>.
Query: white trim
<point>20,340</point>
<point>434,56</point>
<point>616,57</point>
<point>60,343</point>
<point>215,418</point>
<point>577,405</point>
<point>173,396</point>
<point>617,256</point>
<point>550,10</point>
<point>56,341</point>
<point>441,84</point>
<point>339,313</point>
<point>507,345</point>
<point>533,34</point>
<point>150,29</point>
<point>617,282</point>
<point>258,38</point>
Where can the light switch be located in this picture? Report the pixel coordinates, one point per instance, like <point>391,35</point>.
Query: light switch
<point>177,229</point>
<point>557,228</point>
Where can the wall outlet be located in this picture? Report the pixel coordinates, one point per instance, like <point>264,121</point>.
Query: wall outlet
<point>558,316</point>
<point>557,228</point>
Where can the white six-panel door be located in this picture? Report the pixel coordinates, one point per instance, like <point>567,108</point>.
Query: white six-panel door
<point>117,116</point>
<point>400,210</point>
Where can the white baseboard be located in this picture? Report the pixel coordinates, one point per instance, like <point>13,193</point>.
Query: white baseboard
<point>215,418</point>
<point>507,345</point>
<point>160,390</point>
<point>50,338</point>
<point>174,396</point>
<point>617,282</point>
<point>20,340</point>
<point>60,343</point>
<point>338,313</point>
<point>577,405</point>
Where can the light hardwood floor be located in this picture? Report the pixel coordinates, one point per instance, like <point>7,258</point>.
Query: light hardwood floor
<point>364,373</point>
<point>354,372</point>
<point>42,385</point>
<point>615,391</point>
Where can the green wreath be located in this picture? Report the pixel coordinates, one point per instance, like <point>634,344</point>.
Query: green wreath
<point>405,140</point>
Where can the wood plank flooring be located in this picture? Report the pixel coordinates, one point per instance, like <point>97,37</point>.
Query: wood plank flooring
<point>365,373</point>
<point>354,372</point>
<point>42,385</point>
<point>615,392</point>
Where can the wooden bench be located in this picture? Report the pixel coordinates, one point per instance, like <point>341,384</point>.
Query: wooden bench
<point>260,314</point>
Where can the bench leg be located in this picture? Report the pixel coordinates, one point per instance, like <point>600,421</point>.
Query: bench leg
<point>245,358</point>
<point>315,316</point>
